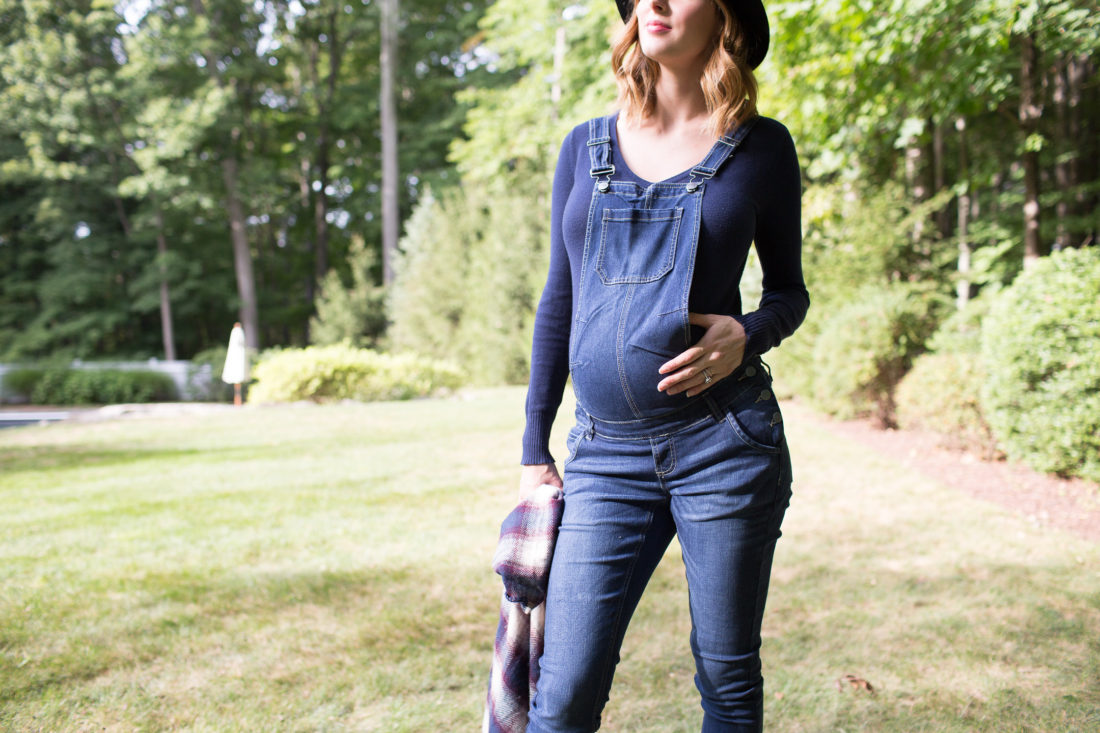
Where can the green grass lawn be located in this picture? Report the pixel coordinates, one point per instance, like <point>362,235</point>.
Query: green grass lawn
<point>327,568</point>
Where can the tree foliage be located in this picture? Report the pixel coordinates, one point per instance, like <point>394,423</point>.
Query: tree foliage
<point>468,282</point>
<point>350,313</point>
<point>163,144</point>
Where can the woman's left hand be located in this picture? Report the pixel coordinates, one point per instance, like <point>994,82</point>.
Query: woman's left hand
<point>720,351</point>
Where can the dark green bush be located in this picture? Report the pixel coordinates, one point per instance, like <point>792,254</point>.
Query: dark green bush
<point>323,373</point>
<point>214,390</point>
<point>62,386</point>
<point>866,346</point>
<point>19,383</point>
<point>941,393</point>
<point>1041,349</point>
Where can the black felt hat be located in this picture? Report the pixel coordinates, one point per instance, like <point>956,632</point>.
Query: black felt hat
<point>751,15</point>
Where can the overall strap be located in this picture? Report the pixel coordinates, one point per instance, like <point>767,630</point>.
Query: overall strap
<point>720,153</point>
<point>599,149</point>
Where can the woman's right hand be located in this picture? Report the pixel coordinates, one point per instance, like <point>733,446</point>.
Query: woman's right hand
<point>536,475</point>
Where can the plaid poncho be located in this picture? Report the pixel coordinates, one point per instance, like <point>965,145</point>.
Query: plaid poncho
<point>523,560</point>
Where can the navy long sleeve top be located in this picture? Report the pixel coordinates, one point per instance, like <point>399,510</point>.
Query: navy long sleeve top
<point>756,196</point>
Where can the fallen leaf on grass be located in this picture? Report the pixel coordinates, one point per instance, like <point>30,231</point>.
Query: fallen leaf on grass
<point>857,682</point>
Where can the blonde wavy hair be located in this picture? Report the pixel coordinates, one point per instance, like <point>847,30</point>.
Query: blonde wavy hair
<point>729,84</point>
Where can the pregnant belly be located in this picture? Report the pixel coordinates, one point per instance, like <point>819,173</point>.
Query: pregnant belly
<point>615,364</point>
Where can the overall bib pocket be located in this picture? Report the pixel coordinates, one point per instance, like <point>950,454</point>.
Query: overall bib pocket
<point>637,245</point>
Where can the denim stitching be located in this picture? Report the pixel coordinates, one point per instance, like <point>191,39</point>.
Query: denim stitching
<point>619,352</point>
<point>778,507</point>
<point>748,439</point>
<point>575,330</point>
<point>647,436</point>
<point>666,266</point>
<point>672,451</point>
<point>724,405</point>
<point>605,681</point>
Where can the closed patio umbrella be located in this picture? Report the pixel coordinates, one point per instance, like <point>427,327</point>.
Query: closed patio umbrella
<point>235,371</point>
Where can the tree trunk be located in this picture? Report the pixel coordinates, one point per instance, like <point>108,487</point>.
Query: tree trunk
<point>1083,132</point>
<point>917,178</point>
<point>1066,152</point>
<point>559,69</point>
<point>305,194</point>
<point>305,176</point>
<point>390,212</point>
<point>242,255</point>
<point>166,330</point>
<point>962,286</point>
<point>325,101</point>
<point>320,207</point>
<point>943,217</point>
<point>1030,111</point>
<point>168,339</point>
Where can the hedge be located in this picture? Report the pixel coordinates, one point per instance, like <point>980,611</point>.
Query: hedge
<point>63,386</point>
<point>1041,350</point>
<point>329,373</point>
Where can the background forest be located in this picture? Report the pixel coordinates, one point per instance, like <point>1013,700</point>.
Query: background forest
<point>169,167</point>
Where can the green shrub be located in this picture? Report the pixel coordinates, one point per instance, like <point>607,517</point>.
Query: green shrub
<point>961,332</point>
<point>215,390</point>
<point>941,393</point>
<point>865,348</point>
<point>1041,348</point>
<point>62,386</point>
<point>19,384</point>
<point>323,373</point>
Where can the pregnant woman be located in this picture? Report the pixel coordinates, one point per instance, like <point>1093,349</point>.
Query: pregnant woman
<point>678,432</point>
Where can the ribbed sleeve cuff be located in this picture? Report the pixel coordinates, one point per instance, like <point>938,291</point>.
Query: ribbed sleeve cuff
<point>758,325</point>
<point>536,440</point>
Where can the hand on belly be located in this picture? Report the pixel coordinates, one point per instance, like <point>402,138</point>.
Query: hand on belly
<point>718,352</point>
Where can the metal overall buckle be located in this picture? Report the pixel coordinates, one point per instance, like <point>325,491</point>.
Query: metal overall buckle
<point>603,183</point>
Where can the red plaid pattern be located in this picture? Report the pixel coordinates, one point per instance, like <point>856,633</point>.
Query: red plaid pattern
<point>522,559</point>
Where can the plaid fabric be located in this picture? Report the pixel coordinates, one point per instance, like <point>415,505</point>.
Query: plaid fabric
<point>522,559</point>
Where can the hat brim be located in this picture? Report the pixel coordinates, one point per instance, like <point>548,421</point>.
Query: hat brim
<point>750,13</point>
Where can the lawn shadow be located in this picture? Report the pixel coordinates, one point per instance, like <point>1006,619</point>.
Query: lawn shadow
<point>397,624</point>
<point>22,459</point>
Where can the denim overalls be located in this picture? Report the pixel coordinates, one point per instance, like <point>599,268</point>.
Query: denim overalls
<point>645,466</point>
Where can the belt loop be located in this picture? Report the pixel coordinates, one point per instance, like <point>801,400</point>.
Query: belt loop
<point>712,404</point>
<point>590,430</point>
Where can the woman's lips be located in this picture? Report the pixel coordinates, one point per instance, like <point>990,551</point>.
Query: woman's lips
<point>654,26</point>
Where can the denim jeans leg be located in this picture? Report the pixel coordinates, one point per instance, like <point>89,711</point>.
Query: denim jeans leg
<point>615,529</point>
<point>728,511</point>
